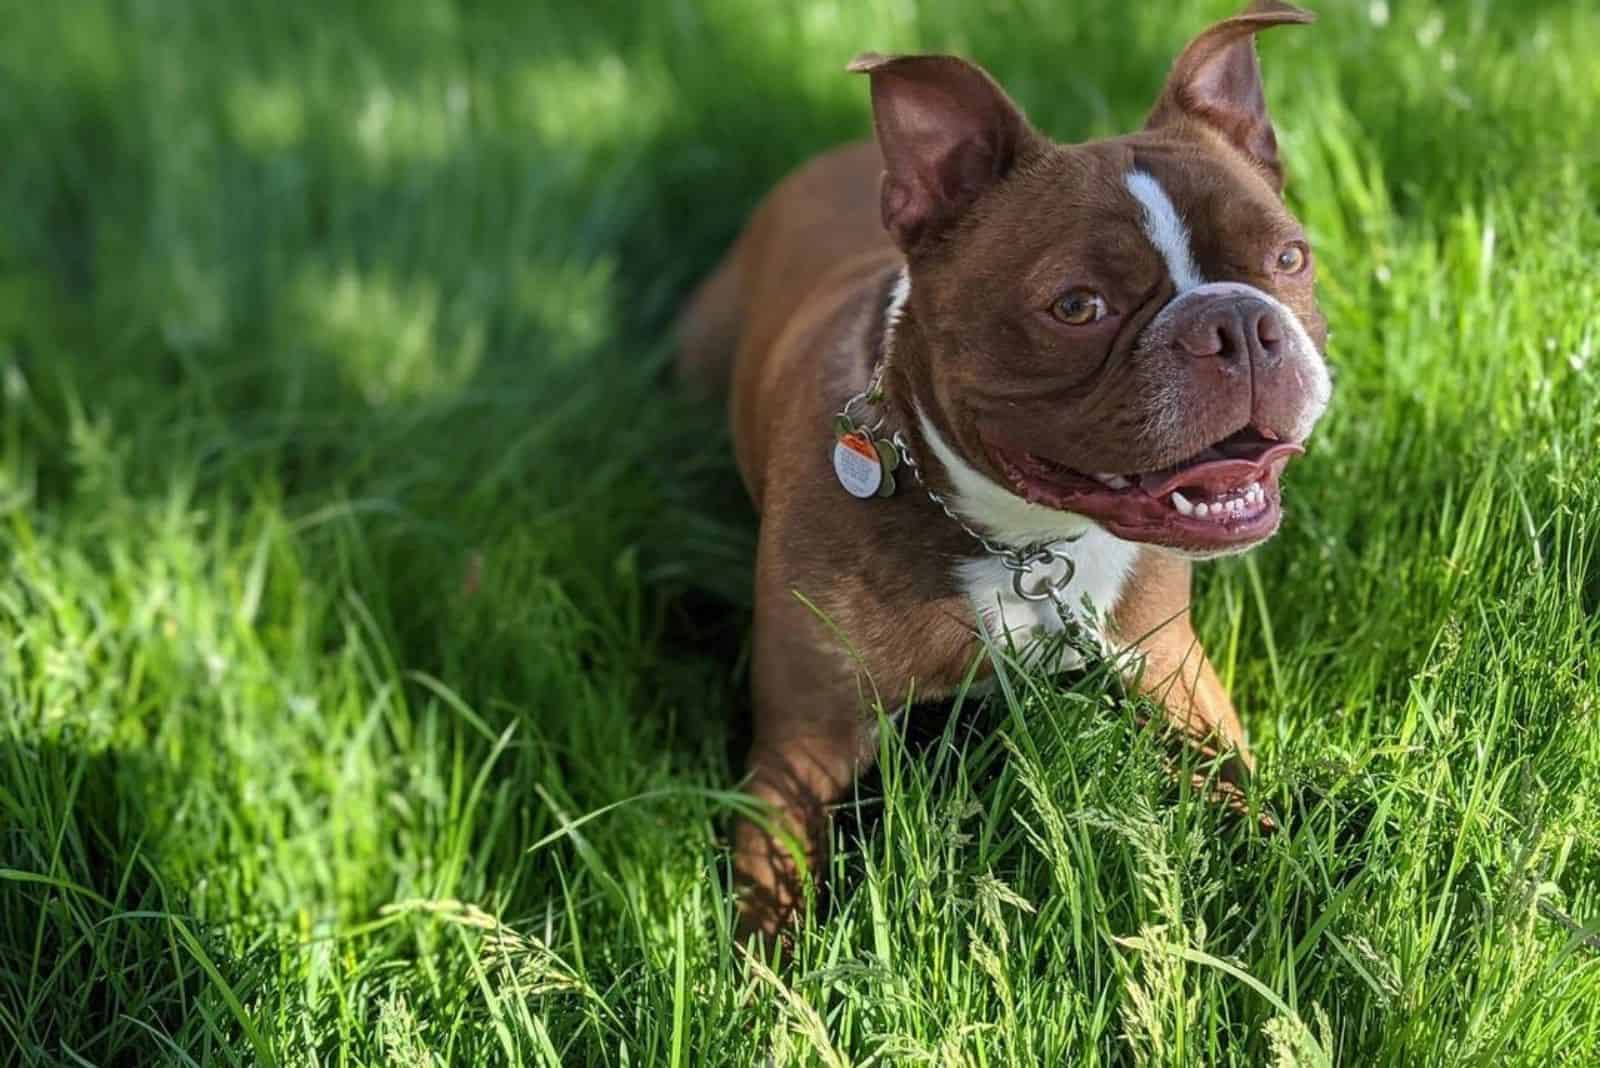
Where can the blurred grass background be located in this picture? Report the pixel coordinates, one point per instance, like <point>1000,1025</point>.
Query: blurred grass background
<point>371,627</point>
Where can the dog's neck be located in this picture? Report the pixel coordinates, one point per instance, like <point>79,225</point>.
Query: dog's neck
<point>1101,562</point>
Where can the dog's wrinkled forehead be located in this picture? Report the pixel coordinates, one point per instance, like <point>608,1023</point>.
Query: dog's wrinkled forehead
<point>1207,218</point>
<point>1121,216</point>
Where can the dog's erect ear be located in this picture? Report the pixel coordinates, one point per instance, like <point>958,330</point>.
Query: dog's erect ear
<point>1217,81</point>
<point>947,133</point>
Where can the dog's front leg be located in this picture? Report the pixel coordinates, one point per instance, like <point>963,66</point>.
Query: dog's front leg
<point>778,856</point>
<point>812,736</point>
<point>1171,666</point>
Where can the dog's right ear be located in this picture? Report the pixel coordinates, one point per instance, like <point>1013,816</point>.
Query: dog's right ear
<point>947,133</point>
<point>1217,82</point>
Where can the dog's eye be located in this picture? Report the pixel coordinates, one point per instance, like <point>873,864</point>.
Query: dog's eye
<point>1293,258</point>
<point>1080,308</point>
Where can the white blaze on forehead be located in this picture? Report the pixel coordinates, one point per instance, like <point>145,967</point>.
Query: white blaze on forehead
<point>1165,229</point>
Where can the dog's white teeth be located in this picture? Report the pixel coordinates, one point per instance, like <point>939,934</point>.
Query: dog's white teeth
<point>1116,482</point>
<point>1237,504</point>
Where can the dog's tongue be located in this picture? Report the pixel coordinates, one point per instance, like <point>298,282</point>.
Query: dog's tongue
<point>1218,470</point>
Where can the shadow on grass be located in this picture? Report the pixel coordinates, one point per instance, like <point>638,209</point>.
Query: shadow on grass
<point>102,958</point>
<point>541,263</point>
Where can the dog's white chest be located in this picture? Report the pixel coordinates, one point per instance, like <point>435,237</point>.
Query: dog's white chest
<point>1103,562</point>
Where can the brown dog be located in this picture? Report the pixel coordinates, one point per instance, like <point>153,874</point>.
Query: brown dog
<point>1090,364</point>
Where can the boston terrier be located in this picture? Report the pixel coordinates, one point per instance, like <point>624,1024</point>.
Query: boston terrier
<point>988,388</point>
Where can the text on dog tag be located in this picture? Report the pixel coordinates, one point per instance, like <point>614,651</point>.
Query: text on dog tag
<point>857,464</point>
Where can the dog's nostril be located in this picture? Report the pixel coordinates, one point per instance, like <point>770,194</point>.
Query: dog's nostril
<point>1229,336</point>
<point>1209,338</point>
<point>1216,335</point>
<point>1269,331</point>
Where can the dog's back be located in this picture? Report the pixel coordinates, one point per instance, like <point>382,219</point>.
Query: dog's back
<point>822,215</point>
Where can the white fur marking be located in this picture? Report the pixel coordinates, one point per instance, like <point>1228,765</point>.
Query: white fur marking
<point>1165,229</point>
<point>897,300</point>
<point>992,508</point>
<point>1102,559</point>
<point>1103,562</point>
<point>898,297</point>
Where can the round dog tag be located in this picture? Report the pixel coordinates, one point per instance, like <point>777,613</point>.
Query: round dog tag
<point>856,462</point>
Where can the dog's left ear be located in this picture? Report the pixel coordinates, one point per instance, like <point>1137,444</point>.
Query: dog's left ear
<point>1217,81</point>
<point>948,133</point>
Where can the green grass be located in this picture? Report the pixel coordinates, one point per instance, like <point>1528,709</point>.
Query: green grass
<point>372,615</point>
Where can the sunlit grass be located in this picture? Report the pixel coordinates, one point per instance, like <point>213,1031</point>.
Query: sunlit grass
<point>384,334</point>
<point>371,611</point>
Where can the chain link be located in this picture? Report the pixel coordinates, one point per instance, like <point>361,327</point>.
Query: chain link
<point>867,398</point>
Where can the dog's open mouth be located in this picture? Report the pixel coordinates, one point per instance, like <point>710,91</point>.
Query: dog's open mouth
<point>1226,496</point>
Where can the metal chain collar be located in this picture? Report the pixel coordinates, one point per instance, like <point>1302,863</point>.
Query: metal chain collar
<point>1019,561</point>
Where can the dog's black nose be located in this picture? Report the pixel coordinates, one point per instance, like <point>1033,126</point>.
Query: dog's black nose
<point>1234,328</point>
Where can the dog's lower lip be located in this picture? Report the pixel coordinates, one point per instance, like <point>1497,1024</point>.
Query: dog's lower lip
<point>1230,465</point>
<point>1225,495</point>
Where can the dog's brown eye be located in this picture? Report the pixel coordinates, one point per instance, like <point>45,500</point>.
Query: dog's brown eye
<point>1080,308</point>
<point>1293,259</point>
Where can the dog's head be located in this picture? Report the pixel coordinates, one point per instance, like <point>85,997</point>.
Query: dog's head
<point>1123,331</point>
